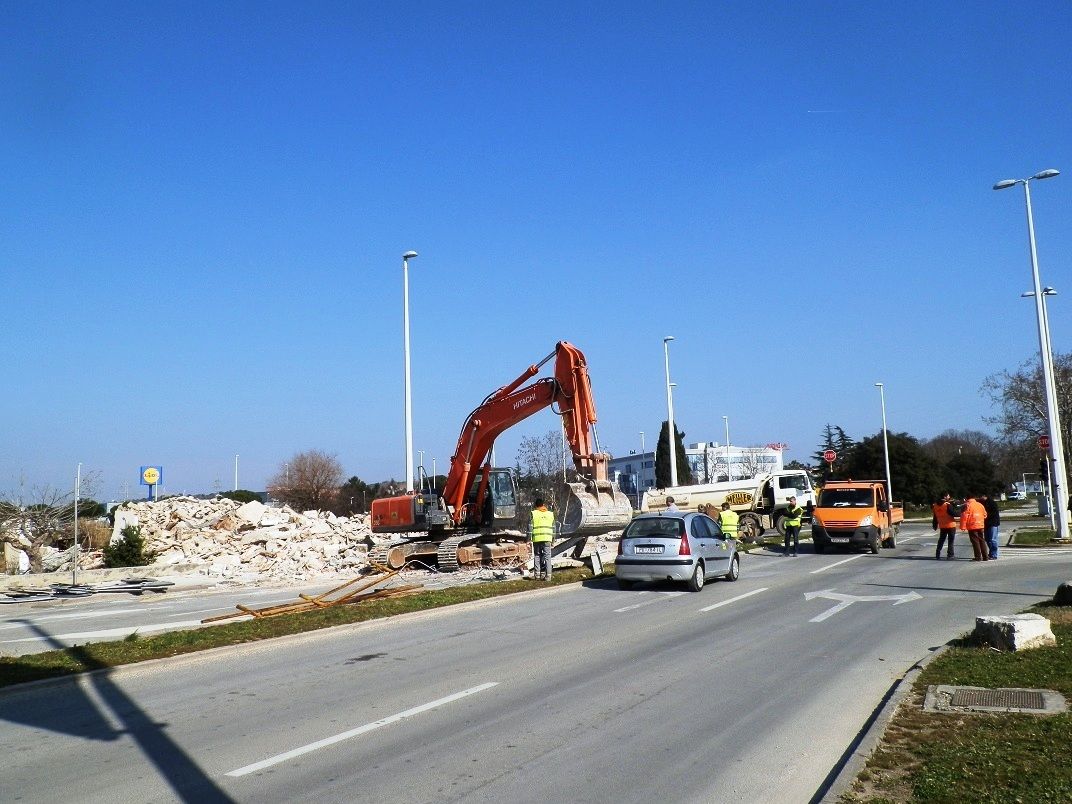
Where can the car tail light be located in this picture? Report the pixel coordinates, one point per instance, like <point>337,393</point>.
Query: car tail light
<point>683,548</point>
<point>620,540</point>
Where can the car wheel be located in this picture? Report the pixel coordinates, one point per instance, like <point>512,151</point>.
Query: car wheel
<point>695,583</point>
<point>735,569</point>
<point>874,544</point>
<point>779,525</point>
<point>624,584</point>
<point>891,540</point>
<point>749,529</point>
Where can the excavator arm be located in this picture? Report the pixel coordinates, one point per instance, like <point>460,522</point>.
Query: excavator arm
<point>569,389</point>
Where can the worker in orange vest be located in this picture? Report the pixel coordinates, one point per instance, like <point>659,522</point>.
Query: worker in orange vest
<point>973,520</point>
<point>946,524</point>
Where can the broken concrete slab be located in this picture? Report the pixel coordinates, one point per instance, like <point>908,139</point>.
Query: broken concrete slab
<point>1011,632</point>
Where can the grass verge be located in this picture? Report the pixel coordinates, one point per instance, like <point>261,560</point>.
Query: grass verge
<point>1030,537</point>
<point>99,655</point>
<point>931,757</point>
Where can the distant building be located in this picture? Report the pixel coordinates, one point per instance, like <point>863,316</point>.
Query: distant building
<point>710,463</point>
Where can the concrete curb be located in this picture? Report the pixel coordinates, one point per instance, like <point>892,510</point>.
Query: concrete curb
<point>855,757</point>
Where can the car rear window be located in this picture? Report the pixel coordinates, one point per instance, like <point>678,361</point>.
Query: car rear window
<point>666,527</point>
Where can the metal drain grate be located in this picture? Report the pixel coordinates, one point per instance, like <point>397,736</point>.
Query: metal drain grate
<point>999,699</point>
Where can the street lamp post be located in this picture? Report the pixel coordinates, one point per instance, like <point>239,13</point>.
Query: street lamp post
<point>885,444</point>
<point>671,433</point>
<point>409,255</point>
<point>1059,487</point>
<point>236,473</point>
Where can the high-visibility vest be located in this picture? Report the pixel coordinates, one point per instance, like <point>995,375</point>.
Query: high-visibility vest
<point>729,521</point>
<point>543,525</point>
<point>974,516</point>
<point>792,516</point>
<point>941,514</point>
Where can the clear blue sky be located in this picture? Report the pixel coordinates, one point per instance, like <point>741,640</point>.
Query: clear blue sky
<point>204,206</point>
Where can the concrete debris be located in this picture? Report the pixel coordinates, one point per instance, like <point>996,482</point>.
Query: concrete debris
<point>1013,632</point>
<point>229,540</point>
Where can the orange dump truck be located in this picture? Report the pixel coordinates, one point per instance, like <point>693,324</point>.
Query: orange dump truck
<point>855,513</point>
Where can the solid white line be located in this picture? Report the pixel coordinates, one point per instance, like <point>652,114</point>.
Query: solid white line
<point>76,616</point>
<point>112,632</point>
<point>836,563</point>
<point>666,595</point>
<point>346,735</point>
<point>735,599</point>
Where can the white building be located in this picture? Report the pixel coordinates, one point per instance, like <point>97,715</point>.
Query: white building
<point>710,463</point>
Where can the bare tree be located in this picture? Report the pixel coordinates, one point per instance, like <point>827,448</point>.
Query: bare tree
<point>753,462</point>
<point>539,463</point>
<point>1020,398</point>
<point>308,481</point>
<point>42,517</point>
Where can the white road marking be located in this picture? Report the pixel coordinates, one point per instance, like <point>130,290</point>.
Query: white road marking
<point>735,599</point>
<point>111,632</point>
<point>665,596</point>
<point>78,616</point>
<point>836,563</point>
<point>346,735</point>
<point>844,601</point>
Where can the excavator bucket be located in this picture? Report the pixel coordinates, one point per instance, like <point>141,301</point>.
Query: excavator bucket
<point>593,508</point>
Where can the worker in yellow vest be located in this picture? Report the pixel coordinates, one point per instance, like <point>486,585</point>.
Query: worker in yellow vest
<point>541,531</point>
<point>728,519</point>
<point>793,515</point>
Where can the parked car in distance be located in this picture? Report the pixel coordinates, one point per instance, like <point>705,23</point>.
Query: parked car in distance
<point>685,547</point>
<point>1017,495</point>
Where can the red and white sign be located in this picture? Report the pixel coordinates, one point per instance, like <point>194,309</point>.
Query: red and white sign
<point>1044,442</point>
<point>829,456</point>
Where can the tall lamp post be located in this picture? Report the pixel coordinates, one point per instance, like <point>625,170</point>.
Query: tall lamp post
<point>409,255</point>
<point>671,440</point>
<point>1059,487</point>
<point>671,432</point>
<point>885,443</point>
<point>1059,447</point>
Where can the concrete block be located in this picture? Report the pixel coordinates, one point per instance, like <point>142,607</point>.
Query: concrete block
<point>1064,594</point>
<point>252,511</point>
<point>1014,631</point>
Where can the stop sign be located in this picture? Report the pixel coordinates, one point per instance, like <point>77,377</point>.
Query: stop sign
<point>1044,442</point>
<point>829,456</point>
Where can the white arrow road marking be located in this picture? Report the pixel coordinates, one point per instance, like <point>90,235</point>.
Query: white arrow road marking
<point>346,735</point>
<point>649,601</point>
<point>844,601</point>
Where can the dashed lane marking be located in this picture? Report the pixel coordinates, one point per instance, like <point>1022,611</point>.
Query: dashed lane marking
<point>649,601</point>
<point>838,563</point>
<point>734,599</point>
<point>346,735</point>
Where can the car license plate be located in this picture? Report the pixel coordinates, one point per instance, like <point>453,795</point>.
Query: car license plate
<point>649,549</point>
<point>839,539</point>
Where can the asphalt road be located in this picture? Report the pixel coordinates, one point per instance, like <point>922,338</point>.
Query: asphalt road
<point>748,691</point>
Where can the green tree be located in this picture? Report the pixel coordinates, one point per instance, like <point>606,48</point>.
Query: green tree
<point>916,477</point>
<point>128,550</point>
<point>834,438</point>
<point>355,495</point>
<point>970,473</point>
<point>662,459</point>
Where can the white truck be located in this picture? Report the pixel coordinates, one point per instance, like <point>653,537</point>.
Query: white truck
<point>761,501</point>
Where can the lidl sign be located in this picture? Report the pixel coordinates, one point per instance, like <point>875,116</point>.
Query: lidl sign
<point>151,475</point>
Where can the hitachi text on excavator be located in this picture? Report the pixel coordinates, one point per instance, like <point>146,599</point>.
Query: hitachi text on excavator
<point>468,522</point>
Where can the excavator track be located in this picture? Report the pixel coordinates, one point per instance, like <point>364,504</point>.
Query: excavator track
<point>447,555</point>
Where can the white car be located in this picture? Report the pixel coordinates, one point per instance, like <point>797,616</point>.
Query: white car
<point>1017,495</point>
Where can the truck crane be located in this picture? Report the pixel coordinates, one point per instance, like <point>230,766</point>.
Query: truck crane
<point>468,522</point>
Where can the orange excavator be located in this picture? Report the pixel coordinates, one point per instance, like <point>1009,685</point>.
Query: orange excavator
<point>469,522</point>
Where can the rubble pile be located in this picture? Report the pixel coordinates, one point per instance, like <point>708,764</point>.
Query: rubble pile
<point>227,539</point>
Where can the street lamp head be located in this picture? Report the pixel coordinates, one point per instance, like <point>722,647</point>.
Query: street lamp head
<point>878,385</point>
<point>1001,185</point>
<point>1049,292</point>
<point>1047,174</point>
<point>409,255</point>
<point>668,338</point>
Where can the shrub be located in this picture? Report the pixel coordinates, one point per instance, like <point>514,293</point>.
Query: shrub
<point>127,551</point>
<point>242,495</point>
<point>94,535</point>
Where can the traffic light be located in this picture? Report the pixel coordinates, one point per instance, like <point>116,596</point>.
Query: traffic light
<point>1042,469</point>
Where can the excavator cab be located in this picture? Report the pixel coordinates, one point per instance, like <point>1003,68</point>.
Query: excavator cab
<point>499,510</point>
